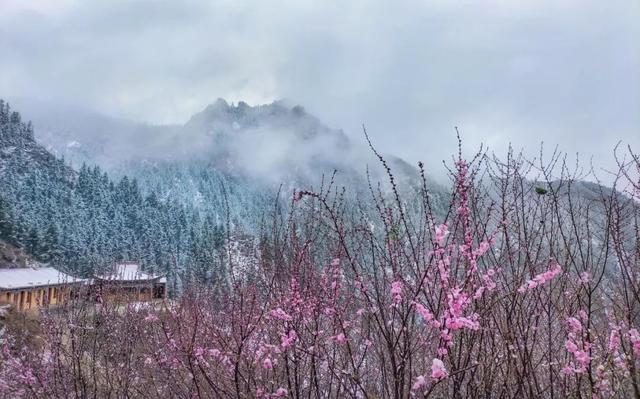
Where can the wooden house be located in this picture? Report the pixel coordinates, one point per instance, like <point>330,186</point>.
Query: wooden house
<point>30,288</point>
<point>127,282</point>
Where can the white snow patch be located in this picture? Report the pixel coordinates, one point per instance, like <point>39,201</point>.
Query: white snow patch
<point>128,272</point>
<point>33,277</point>
<point>4,309</point>
<point>9,150</point>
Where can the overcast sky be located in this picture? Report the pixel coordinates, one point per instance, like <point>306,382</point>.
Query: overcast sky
<point>522,71</point>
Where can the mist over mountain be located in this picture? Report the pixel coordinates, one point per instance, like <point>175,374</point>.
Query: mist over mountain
<point>251,152</point>
<point>275,142</point>
<point>167,196</point>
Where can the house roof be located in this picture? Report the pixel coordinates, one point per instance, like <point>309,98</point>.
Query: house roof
<point>127,272</point>
<point>29,277</point>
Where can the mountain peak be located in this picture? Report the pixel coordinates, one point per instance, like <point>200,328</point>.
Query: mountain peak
<point>220,103</point>
<point>230,111</point>
<point>219,106</point>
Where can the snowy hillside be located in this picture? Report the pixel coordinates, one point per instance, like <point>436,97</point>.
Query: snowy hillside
<point>249,153</point>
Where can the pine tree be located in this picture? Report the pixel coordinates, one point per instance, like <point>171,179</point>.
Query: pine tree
<point>32,244</point>
<point>50,250</point>
<point>7,228</point>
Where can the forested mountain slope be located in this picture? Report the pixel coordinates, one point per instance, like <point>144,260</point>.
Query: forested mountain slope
<point>248,152</point>
<point>167,196</point>
<point>83,221</point>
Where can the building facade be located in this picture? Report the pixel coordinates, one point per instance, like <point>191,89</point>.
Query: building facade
<point>127,282</point>
<point>31,288</point>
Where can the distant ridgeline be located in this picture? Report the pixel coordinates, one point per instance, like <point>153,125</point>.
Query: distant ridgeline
<point>170,214</point>
<point>82,221</point>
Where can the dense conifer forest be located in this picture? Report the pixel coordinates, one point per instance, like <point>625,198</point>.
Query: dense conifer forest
<point>83,221</point>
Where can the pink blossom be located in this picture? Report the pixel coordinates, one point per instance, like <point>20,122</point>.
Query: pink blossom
<point>198,352</point>
<point>574,324</point>
<point>420,382</point>
<point>396,292</point>
<point>423,311</point>
<point>438,371</point>
<point>571,346</point>
<point>443,268</point>
<point>151,318</point>
<point>280,314</point>
<point>267,364</point>
<point>456,323</point>
<point>442,231</point>
<point>281,392</point>
<point>340,338</point>
<point>634,337</point>
<point>585,277</point>
<point>583,315</point>
<point>583,358</point>
<point>458,301</point>
<point>488,280</point>
<point>483,247</point>
<point>479,292</point>
<point>288,339</point>
<point>614,340</point>
<point>577,346</point>
<point>541,278</point>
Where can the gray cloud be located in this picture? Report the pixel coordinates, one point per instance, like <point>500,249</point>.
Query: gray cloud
<point>563,72</point>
